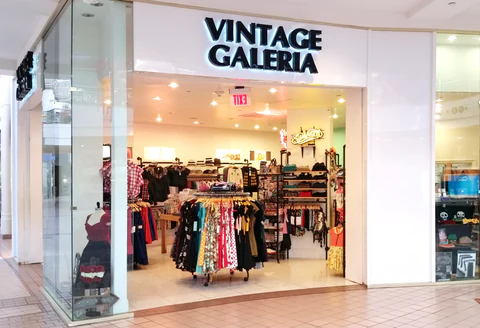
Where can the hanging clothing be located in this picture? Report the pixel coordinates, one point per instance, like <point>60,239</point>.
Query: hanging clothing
<point>250,179</point>
<point>220,233</point>
<point>335,254</point>
<point>140,246</point>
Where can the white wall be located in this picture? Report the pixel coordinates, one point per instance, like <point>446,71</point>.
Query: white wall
<point>197,143</point>
<point>400,165</point>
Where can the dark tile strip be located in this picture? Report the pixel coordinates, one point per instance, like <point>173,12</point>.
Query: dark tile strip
<point>245,298</point>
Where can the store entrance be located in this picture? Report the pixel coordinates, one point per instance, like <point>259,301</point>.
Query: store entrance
<point>237,175</point>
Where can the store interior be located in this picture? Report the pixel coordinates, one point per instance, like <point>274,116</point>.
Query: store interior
<point>193,124</point>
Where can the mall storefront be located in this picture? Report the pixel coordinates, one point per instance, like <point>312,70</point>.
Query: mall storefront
<point>130,94</point>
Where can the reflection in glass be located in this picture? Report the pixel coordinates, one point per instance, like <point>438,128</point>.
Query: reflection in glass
<point>457,170</point>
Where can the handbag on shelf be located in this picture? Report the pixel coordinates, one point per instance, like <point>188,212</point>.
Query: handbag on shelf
<point>273,168</point>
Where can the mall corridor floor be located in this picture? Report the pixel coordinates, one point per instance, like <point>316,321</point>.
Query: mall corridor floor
<point>22,304</point>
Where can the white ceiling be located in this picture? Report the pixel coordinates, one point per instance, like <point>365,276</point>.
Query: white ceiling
<point>21,21</point>
<point>411,14</point>
<point>191,102</point>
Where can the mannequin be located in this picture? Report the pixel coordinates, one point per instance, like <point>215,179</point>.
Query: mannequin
<point>94,266</point>
<point>335,254</point>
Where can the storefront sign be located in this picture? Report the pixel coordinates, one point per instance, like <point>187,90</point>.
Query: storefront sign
<point>26,76</point>
<point>272,48</point>
<point>240,97</point>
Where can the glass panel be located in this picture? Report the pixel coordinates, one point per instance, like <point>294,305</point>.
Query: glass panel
<point>99,127</point>
<point>57,161</point>
<point>457,169</point>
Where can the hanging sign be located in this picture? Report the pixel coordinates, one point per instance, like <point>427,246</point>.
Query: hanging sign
<point>262,46</point>
<point>240,97</point>
<point>307,136</point>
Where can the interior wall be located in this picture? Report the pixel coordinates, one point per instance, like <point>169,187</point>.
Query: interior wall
<point>302,247</point>
<point>339,140</point>
<point>198,143</point>
<point>400,146</point>
<point>457,144</point>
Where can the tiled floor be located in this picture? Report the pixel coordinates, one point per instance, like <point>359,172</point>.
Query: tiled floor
<point>430,307</point>
<point>438,307</point>
<point>160,283</point>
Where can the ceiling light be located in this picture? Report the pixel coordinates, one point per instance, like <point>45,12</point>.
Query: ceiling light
<point>341,100</point>
<point>196,122</point>
<point>267,111</point>
<point>236,125</point>
<point>275,128</point>
<point>257,127</point>
<point>273,90</point>
<point>158,119</point>
<point>452,38</point>
<point>439,100</point>
<point>107,102</point>
<point>437,117</point>
<point>335,115</point>
<point>214,103</point>
<point>438,108</point>
<point>157,98</point>
<point>173,85</point>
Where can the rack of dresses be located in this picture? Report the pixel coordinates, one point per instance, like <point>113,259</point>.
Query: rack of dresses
<point>217,231</point>
<point>145,232</point>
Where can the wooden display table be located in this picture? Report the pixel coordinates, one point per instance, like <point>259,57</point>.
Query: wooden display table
<point>163,226</point>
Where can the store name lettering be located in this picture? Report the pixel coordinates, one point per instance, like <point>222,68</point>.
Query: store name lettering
<point>271,48</point>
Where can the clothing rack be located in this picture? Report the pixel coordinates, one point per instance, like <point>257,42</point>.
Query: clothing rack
<point>176,162</point>
<point>200,196</point>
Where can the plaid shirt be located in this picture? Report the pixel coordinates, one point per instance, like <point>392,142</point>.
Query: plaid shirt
<point>106,172</point>
<point>134,179</point>
<point>145,194</point>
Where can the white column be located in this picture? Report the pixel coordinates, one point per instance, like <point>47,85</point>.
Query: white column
<point>400,157</point>
<point>6,106</point>
<point>355,188</point>
<point>118,57</point>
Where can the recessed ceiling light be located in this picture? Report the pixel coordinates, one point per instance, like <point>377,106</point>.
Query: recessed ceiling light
<point>437,117</point>
<point>214,103</point>
<point>157,98</point>
<point>173,85</point>
<point>273,90</point>
<point>275,128</point>
<point>158,119</point>
<point>88,15</point>
<point>236,125</point>
<point>196,122</point>
<point>335,115</point>
<point>452,38</point>
<point>107,102</point>
<point>341,100</point>
<point>283,82</point>
<point>257,127</point>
